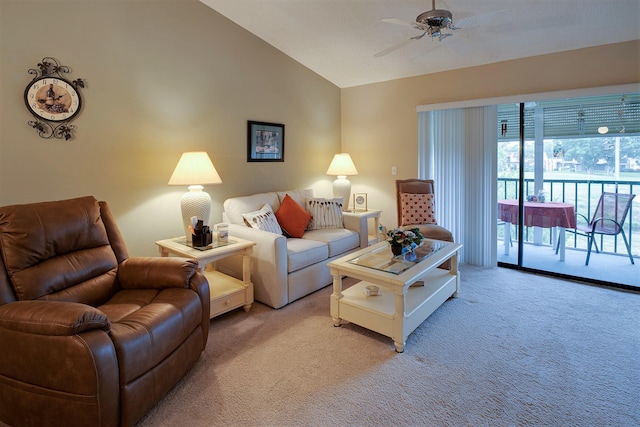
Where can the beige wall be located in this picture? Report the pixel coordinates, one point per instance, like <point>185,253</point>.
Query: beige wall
<point>165,77</point>
<point>380,123</point>
<point>162,77</point>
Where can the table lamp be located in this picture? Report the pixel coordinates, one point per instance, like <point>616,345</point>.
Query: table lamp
<point>195,169</point>
<point>341,166</point>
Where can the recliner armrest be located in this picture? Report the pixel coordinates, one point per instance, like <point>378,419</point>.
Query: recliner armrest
<point>156,272</point>
<point>53,318</point>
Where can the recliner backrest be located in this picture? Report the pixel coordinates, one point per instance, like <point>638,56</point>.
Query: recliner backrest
<point>56,251</point>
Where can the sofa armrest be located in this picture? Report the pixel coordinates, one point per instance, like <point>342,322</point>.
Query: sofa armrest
<point>52,318</point>
<point>359,224</point>
<point>269,264</point>
<point>156,272</point>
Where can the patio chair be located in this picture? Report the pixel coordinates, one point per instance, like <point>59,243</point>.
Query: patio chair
<point>608,219</point>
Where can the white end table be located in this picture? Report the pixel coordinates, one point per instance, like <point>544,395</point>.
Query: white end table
<point>226,292</point>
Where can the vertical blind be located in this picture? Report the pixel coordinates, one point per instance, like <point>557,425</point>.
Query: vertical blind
<point>458,150</point>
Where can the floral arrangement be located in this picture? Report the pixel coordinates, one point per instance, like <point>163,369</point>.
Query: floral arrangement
<point>409,239</point>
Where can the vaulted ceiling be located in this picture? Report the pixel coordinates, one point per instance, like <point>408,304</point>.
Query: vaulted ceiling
<point>339,39</point>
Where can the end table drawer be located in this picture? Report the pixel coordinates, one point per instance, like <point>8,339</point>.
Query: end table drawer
<point>227,302</point>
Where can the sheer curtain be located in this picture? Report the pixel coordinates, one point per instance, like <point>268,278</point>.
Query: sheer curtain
<point>458,150</point>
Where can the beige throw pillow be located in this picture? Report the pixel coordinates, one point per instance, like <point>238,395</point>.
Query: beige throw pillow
<point>417,209</point>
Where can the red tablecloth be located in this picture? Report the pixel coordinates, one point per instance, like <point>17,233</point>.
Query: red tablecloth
<point>536,214</point>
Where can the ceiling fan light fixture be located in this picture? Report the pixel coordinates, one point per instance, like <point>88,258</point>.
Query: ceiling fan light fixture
<point>435,21</point>
<point>436,18</point>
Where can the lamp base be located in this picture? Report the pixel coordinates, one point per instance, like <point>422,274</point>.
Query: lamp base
<point>195,203</point>
<point>342,188</point>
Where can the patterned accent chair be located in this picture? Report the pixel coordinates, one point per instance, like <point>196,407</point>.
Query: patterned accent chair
<point>424,213</point>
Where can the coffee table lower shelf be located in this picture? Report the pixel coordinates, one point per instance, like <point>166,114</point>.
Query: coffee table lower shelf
<point>392,315</point>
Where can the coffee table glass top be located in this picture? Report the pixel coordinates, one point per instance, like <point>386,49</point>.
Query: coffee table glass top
<point>382,258</point>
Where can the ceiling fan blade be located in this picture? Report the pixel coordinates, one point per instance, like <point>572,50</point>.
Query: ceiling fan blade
<point>394,47</point>
<point>397,21</point>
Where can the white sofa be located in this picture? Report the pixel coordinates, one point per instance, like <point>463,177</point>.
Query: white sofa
<point>284,269</point>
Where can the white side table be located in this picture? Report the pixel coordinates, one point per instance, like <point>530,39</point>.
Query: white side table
<point>226,292</point>
<point>373,214</point>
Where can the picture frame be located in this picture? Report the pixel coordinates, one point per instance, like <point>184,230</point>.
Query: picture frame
<point>265,142</point>
<point>360,202</point>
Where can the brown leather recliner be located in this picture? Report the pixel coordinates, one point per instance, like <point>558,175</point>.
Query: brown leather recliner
<point>89,336</point>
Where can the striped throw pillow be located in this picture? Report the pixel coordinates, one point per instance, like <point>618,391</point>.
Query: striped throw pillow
<point>264,219</point>
<point>325,213</point>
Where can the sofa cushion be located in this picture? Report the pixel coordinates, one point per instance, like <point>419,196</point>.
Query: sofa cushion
<point>338,240</point>
<point>236,206</point>
<point>292,217</point>
<point>304,252</point>
<point>417,209</point>
<point>264,220</point>
<point>325,213</point>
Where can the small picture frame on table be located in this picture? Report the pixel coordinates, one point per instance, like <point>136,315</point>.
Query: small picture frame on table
<point>265,142</point>
<point>360,202</point>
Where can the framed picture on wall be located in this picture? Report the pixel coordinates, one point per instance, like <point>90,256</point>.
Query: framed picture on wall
<point>265,142</point>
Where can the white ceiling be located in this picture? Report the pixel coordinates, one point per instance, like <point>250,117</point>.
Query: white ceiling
<point>339,38</point>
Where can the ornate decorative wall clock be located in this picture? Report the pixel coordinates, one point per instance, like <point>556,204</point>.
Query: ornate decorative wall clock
<point>53,100</point>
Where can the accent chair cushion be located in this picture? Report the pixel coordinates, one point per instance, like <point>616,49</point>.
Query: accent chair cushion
<point>292,217</point>
<point>417,209</point>
<point>325,213</point>
<point>263,219</point>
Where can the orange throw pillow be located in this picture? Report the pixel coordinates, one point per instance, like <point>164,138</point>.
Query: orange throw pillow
<point>292,217</point>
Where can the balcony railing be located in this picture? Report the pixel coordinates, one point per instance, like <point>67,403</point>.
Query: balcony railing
<point>584,195</point>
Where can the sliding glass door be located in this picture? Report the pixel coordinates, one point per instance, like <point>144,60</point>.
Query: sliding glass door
<point>555,160</point>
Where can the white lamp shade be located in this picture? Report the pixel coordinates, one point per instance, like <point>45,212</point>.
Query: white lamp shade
<point>342,165</point>
<point>195,169</point>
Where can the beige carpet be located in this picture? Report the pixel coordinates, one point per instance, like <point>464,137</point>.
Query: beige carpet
<point>514,349</point>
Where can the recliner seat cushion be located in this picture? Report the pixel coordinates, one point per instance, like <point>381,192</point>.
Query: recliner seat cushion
<point>147,325</point>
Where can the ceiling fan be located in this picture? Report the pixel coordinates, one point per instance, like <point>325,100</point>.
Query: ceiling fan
<point>431,23</point>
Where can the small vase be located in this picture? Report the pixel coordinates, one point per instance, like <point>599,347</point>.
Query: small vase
<point>410,256</point>
<point>396,248</point>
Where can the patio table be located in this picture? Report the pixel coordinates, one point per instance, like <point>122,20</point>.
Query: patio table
<point>554,215</point>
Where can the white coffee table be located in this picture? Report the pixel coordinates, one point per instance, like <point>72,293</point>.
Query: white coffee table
<point>409,290</point>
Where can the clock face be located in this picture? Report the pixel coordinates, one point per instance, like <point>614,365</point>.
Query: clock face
<point>360,200</point>
<point>53,99</point>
